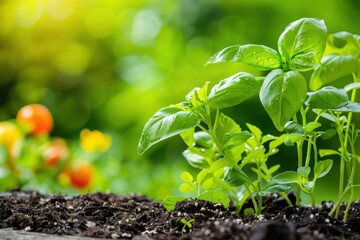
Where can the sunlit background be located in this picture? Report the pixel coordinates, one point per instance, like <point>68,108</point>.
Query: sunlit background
<point>110,64</point>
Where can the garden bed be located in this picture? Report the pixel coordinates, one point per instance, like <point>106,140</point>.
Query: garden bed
<point>100,215</point>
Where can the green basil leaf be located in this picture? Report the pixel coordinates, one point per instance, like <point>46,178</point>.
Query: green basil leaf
<point>294,128</point>
<point>282,94</point>
<point>327,134</point>
<point>233,90</point>
<point>332,68</point>
<point>203,139</point>
<point>170,202</point>
<point>256,132</point>
<point>235,177</point>
<point>231,140</point>
<point>224,126</point>
<point>348,107</point>
<point>198,93</point>
<point>302,44</point>
<point>327,152</point>
<point>215,196</point>
<point>258,56</point>
<point>197,97</point>
<point>274,168</point>
<point>287,177</point>
<point>327,98</point>
<point>343,43</point>
<point>333,99</point>
<point>197,157</point>
<point>322,168</point>
<point>186,177</point>
<point>276,143</point>
<point>166,122</point>
<point>311,126</point>
<point>304,171</point>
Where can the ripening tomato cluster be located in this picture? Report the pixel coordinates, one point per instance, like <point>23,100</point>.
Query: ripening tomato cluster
<point>36,118</point>
<point>36,121</point>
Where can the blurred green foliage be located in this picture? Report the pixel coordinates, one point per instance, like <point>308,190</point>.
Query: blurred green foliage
<point>111,64</point>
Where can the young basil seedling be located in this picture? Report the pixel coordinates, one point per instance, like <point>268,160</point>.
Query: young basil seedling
<point>223,151</point>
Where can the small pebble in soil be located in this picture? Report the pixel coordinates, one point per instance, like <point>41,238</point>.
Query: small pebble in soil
<point>115,236</point>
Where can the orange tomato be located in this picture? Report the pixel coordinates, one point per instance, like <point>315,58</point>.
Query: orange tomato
<point>57,151</point>
<point>37,118</point>
<point>81,175</point>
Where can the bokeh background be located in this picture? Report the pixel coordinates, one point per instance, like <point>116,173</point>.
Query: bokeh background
<point>110,64</point>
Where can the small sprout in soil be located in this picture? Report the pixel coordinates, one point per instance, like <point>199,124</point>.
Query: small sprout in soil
<point>249,211</point>
<point>187,224</point>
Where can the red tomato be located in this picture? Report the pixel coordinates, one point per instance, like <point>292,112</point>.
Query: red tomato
<point>57,151</point>
<point>37,118</point>
<point>81,175</point>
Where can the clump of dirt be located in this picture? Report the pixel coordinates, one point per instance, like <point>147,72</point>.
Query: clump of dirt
<point>101,215</point>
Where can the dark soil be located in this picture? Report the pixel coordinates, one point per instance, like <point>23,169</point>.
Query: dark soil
<point>135,217</point>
